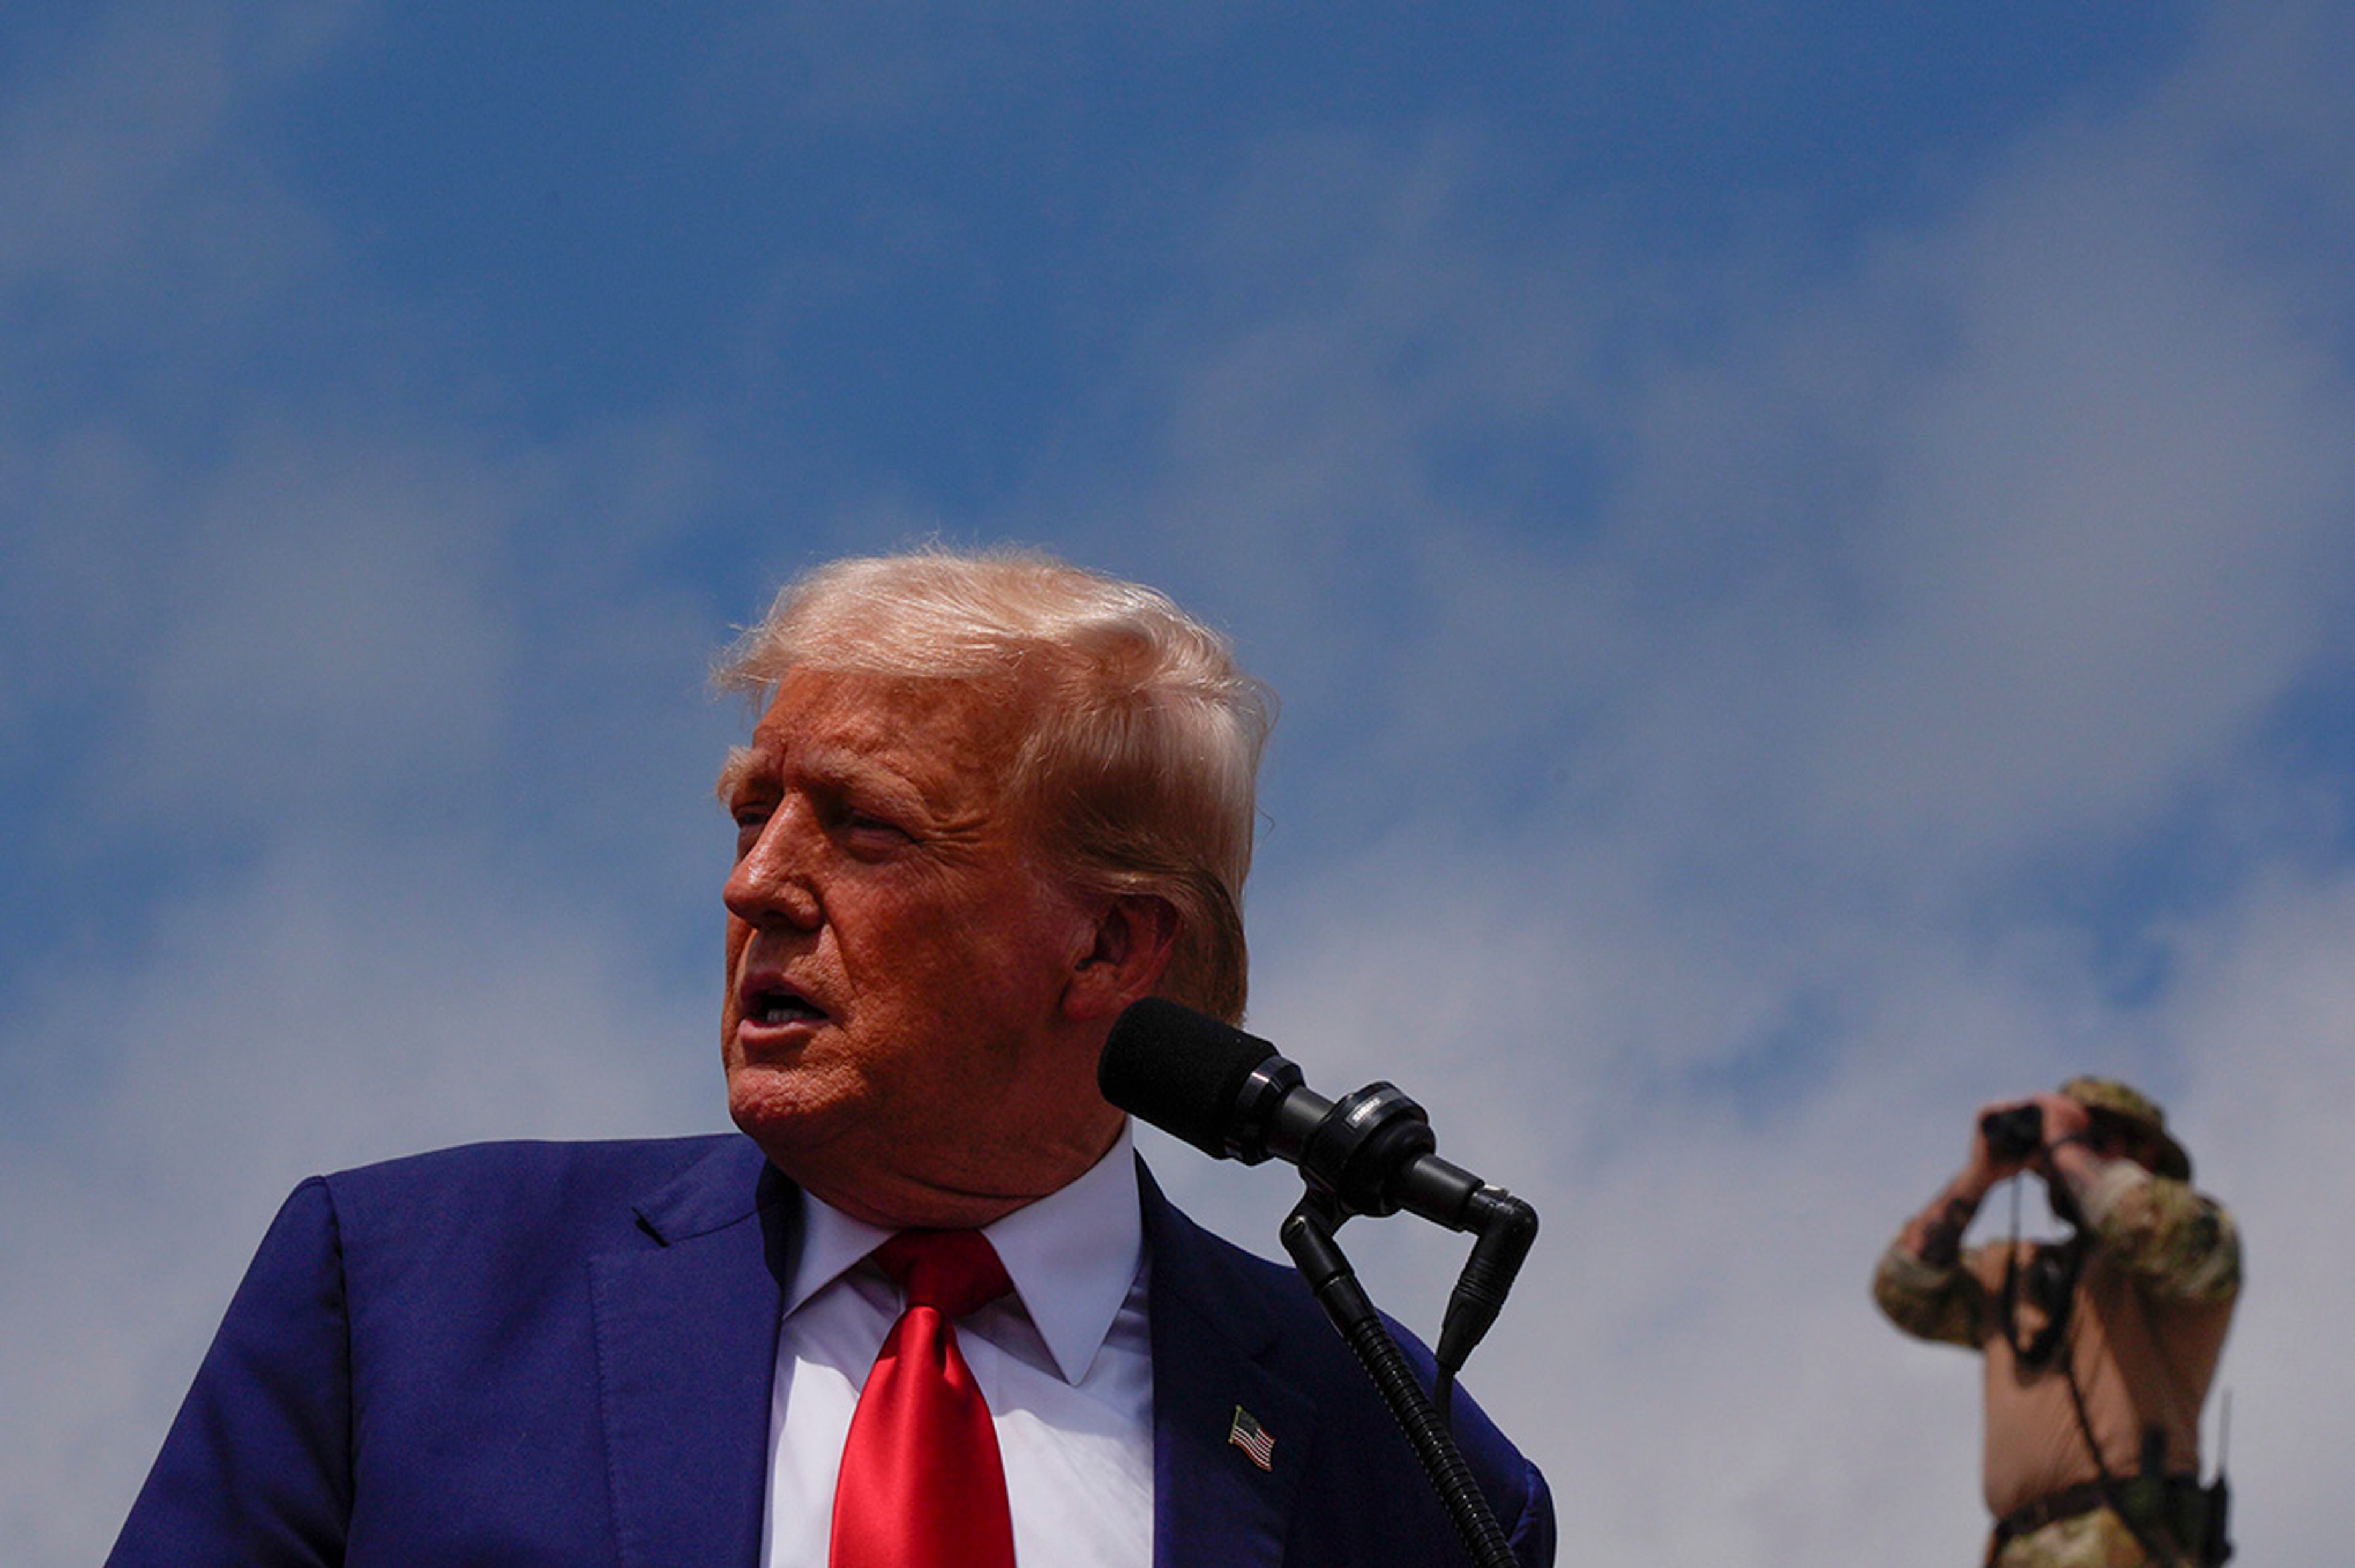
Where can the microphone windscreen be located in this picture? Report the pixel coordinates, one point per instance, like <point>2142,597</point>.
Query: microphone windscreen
<point>1180,1069</point>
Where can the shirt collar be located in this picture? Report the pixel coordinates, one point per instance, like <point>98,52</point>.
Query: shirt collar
<point>1071,1254</point>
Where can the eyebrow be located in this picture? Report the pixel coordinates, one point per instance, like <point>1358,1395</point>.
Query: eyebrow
<point>836,766</point>
<point>731,773</point>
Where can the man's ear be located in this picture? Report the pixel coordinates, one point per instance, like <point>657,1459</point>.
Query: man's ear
<point>1135,938</point>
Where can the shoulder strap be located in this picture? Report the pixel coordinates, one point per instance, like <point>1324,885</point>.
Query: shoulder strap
<point>2109,1483</point>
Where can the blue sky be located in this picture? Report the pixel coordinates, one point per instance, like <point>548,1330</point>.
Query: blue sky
<point>1810,558</point>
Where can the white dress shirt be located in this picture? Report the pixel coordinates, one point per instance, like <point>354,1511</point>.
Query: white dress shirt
<point>1066,1363</point>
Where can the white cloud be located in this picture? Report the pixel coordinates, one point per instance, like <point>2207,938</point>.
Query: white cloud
<point>2048,511</point>
<point>1699,1286</point>
<point>334,932</point>
<point>2114,524</point>
<point>324,629</point>
<point>2008,543</point>
<point>271,652</point>
<point>341,1004</point>
<point>2020,530</point>
<point>124,182</point>
<point>2267,1024</point>
<point>2007,540</point>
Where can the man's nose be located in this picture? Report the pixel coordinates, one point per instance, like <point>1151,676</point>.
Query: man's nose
<point>772,884</point>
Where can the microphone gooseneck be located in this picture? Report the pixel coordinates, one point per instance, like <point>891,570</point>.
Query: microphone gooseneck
<point>1234,1096</point>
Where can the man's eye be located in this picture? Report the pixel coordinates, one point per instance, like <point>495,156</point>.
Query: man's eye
<point>864,832</point>
<point>750,820</point>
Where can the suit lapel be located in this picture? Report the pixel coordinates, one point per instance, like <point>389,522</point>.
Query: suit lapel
<point>687,1346</point>
<point>1212,1503</point>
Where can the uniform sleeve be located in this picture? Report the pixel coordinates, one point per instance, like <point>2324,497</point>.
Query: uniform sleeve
<point>2180,1244</point>
<point>256,1470</point>
<point>1945,1303</point>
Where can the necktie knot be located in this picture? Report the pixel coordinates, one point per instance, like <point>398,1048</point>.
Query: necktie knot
<point>955,1272</point>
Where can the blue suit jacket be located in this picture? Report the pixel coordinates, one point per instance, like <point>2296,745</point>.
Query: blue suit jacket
<point>518,1354</point>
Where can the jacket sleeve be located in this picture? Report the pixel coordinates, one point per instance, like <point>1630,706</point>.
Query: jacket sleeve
<point>256,1470</point>
<point>1945,1303</point>
<point>2179,1244</point>
<point>1532,1537</point>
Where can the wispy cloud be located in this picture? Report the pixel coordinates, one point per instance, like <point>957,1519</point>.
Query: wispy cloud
<point>2008,544</point>
<point>1702,671</point>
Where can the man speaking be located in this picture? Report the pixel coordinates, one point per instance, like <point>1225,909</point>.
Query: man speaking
<point>928,1310</point>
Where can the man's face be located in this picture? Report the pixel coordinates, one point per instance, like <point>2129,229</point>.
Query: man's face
<point>2115,1139</point>
<point>893,1029</point>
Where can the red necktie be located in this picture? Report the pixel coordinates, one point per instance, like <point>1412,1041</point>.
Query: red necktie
<point>922,1485</point>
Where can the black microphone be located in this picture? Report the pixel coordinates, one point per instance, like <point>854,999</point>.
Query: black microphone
<point>1232,1096</point>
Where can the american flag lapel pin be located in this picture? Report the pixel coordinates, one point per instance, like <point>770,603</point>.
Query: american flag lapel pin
<point>1254,1439</point>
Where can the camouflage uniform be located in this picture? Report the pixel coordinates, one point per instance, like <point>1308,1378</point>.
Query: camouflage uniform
<point>2148,1318</point>
<point>2095,1539</point>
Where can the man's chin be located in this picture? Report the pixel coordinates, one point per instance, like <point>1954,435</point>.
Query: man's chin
<point>781,1111</point>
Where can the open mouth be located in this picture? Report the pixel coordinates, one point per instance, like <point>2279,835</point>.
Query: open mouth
<point>779,1004</point>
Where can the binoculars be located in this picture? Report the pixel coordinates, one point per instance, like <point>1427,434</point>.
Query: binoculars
<point>2015,1132</point>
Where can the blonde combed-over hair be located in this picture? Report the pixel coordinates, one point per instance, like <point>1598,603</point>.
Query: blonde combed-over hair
<point>1139,761</point>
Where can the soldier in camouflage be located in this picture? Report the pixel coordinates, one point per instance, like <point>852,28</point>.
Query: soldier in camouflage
<point>2099,1350</point>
